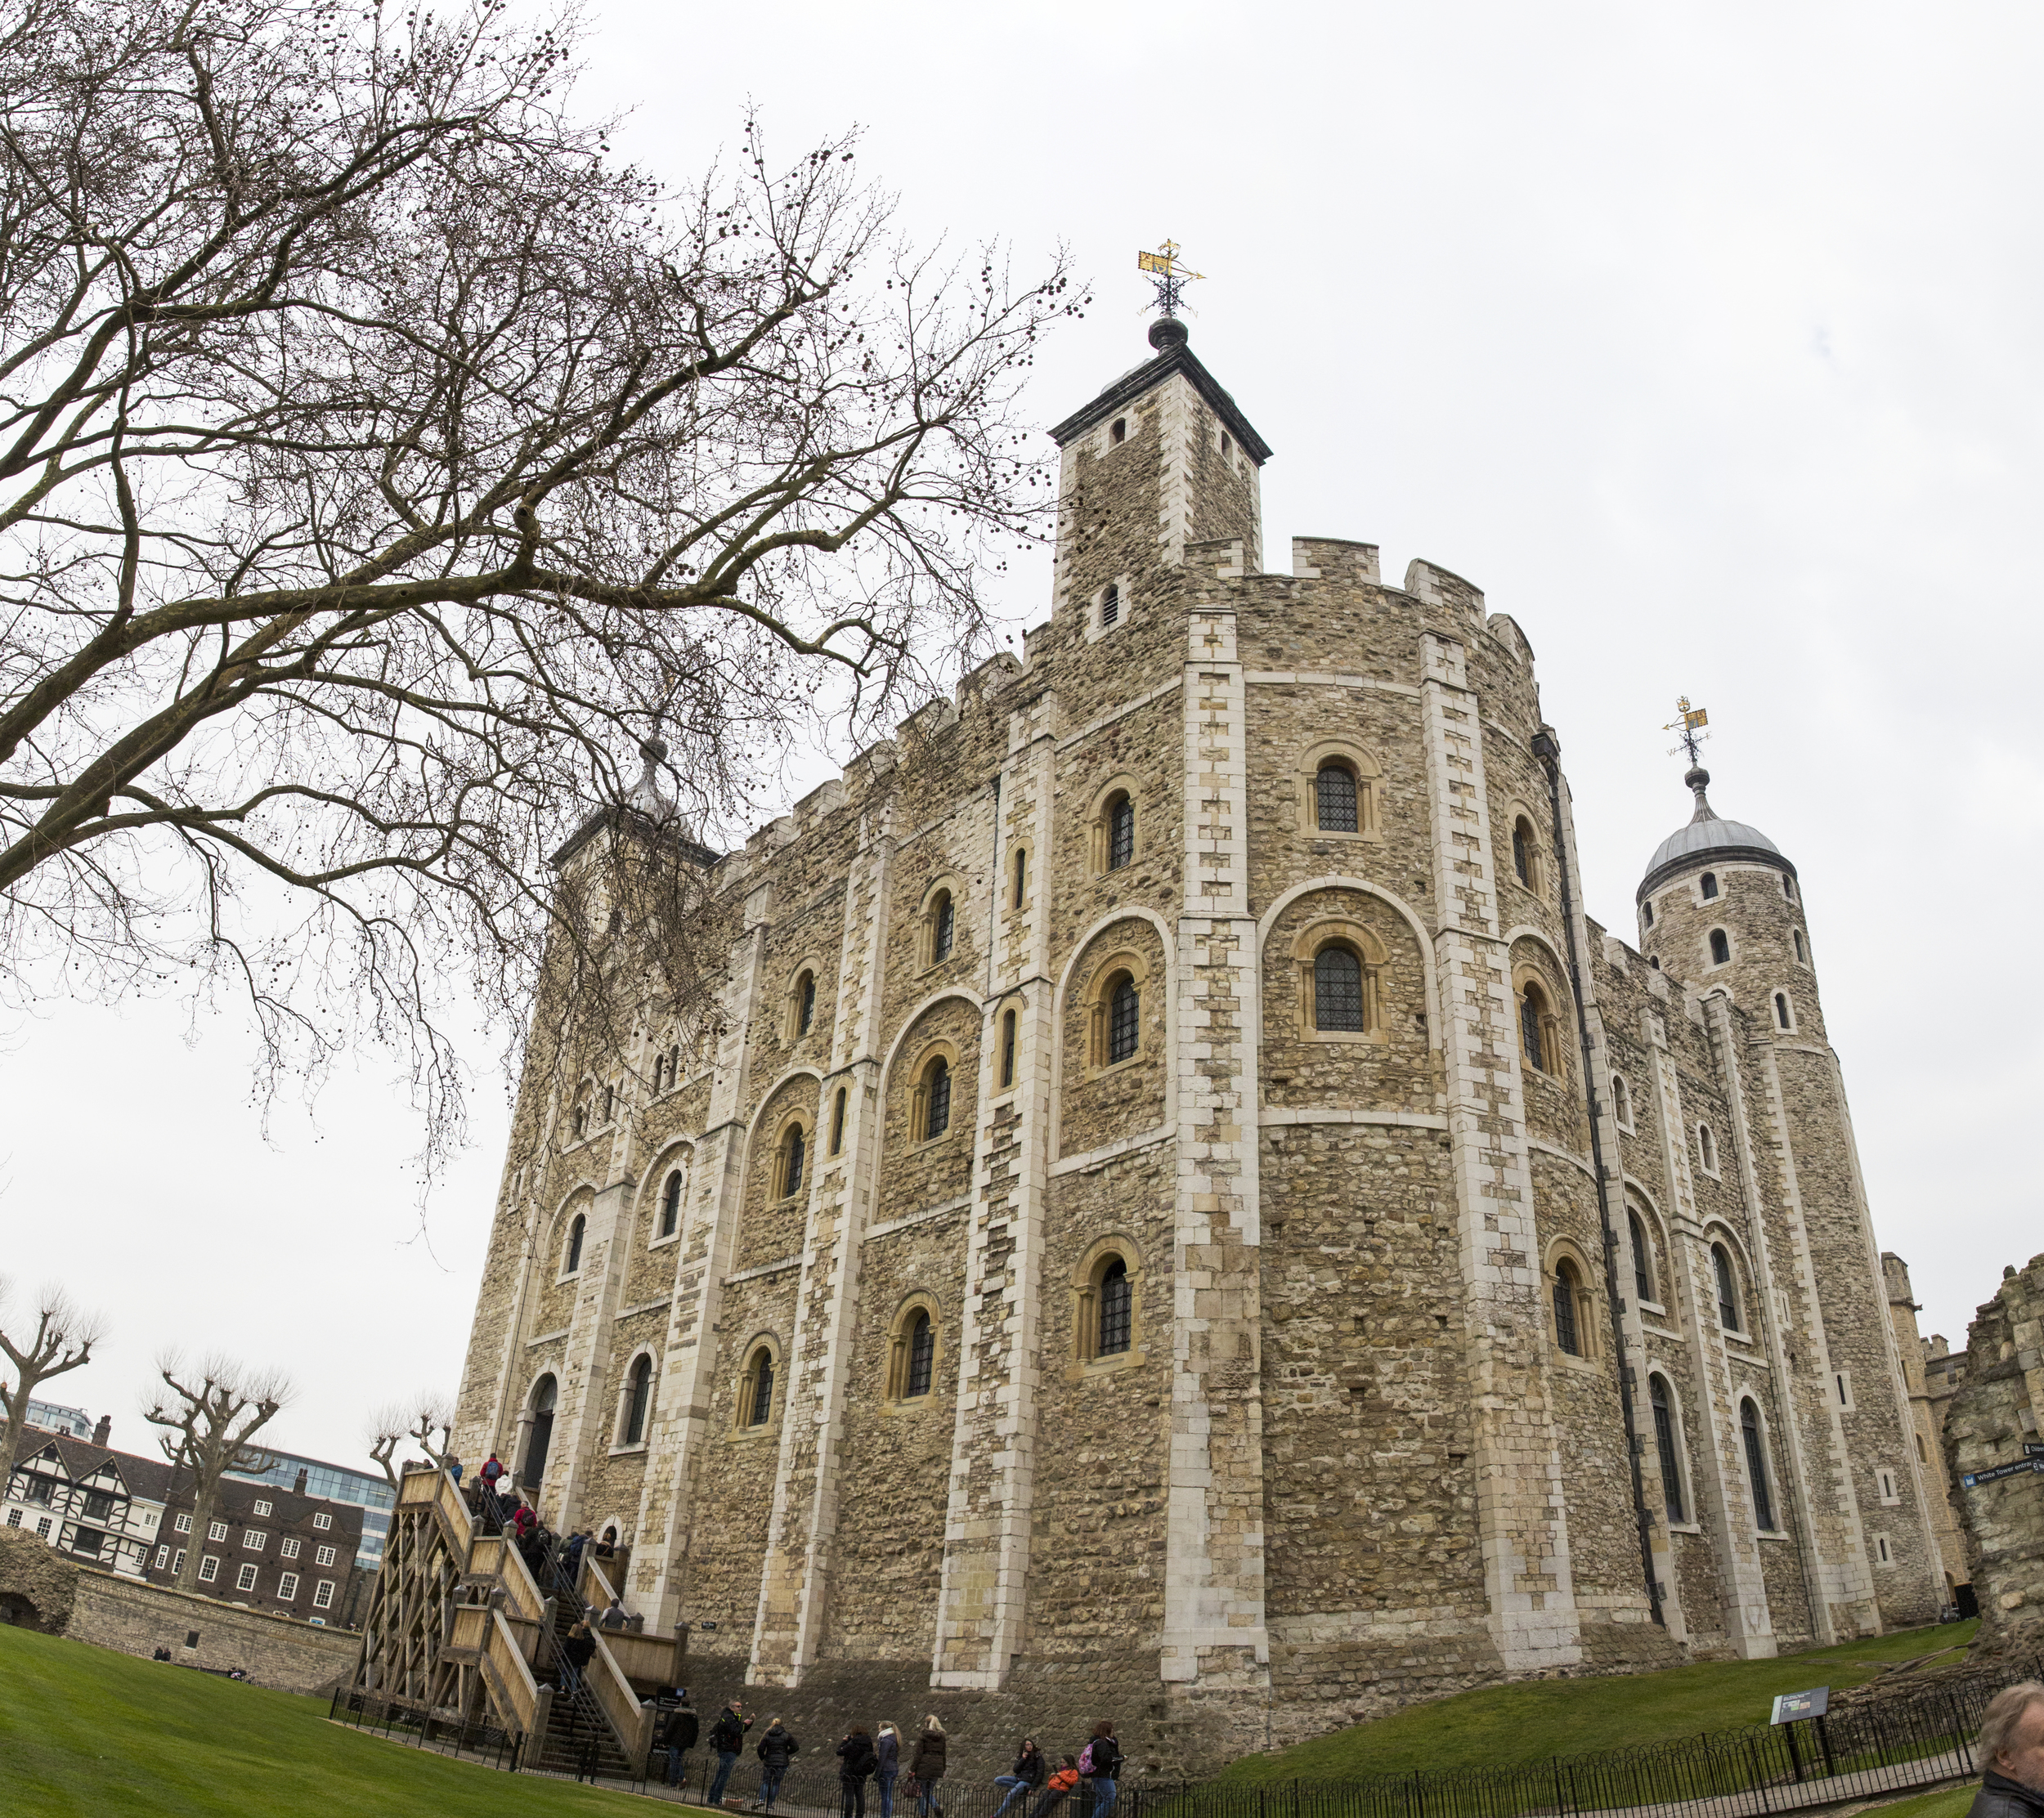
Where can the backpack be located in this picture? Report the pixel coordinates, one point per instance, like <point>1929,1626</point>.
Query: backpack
<point>1085,1761</point>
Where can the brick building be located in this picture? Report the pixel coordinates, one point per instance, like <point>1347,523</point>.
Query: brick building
<point>1178,1212</point>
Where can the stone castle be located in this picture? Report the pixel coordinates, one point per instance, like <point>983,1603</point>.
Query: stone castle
<point>1178,1214</point>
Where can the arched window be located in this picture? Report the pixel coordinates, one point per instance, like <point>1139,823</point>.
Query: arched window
<point>673,1066</point>
<point>1335,805</point>
<point>1110,605</point>
<point>1646,914</point>
<point>638,1394</point>
<point>943,927</point>
<point>1788,889</point>
<point>671,1205</point>
<point>1781,1011</point>
<point>1709,885</point>
<point>1337,989</point>
<point>794,1156</point>
<point>1621,1100</point>
<point>1720,947</point>
<point>1566,1289</point>
<point>1707,1147</point>
<point>1664,1443</point>
<point>1227,447</point>
<point>1117,1309</point>
<point>805,1003</point>
<point>1642,1274</point>
<point>756,1397</point>
<point>1523,851</point>
<point>575,1228</point>
<point>838,1121</point>
<point>1021,874</point>
<point>1756,1466</point>
<point>1119,431</point>
<point>1923,1457</point>
<point>1532,1030</point>
<point>936,1099</point>
<point>1007,1048</point>
<point>921,1355</point>
<point>579,1119</point>
<point>1802,953</point>
<point>1120,832</point>
<point>1728,1287</point>
<point>610,1104</point>
<point>1124,1019</point>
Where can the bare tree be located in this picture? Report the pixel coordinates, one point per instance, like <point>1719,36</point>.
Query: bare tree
<point>383,469</point>
<point>62,1340</point>
<point>416,1420</point>
<point>210,1419</point>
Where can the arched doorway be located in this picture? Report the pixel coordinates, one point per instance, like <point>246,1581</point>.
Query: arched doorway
<point>533,1470</point>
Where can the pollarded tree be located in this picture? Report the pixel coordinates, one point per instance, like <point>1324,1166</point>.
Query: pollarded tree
<point>210,1419</point>
<point>426,1421</point>
<point>62,1340</point>
<point>384,467</point>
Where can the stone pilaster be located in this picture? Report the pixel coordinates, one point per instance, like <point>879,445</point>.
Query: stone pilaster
<point>1214,1634</point>
<point>1515,1459</point>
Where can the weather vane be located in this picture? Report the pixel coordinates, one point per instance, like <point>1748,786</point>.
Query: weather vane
<point>1690,725</point>
<point>1170,277</point>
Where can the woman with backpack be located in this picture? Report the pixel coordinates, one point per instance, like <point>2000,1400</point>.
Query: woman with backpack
<point>1029,1772</point>
<point>928,1767</point>
<point>855,1761</point>
<point>1101,1761</point>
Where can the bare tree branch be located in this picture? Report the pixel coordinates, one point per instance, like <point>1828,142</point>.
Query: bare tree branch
<point>62,1340</point>
<point>210,1419</point>
<point>384,468</point>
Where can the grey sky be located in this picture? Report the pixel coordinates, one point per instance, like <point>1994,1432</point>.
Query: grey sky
<point>1704,340</point>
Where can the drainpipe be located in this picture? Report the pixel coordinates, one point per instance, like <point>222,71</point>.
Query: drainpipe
<point>1548,751</point>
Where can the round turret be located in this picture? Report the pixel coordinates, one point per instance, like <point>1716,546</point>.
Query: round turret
<point>1720,908</point>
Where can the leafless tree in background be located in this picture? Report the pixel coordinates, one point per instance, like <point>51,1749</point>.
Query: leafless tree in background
<point>383,467</point>
<point>210,1419</point>
<point>62,1340</point>
<point>417,1420</point>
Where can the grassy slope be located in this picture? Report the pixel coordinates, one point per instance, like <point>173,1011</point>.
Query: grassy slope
<point>1950,1804</point>
<point>85,1731</point>
<point>1509,1726</point>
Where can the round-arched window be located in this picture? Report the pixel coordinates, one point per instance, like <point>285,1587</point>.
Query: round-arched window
<point>1728,1287</point>
<point>922,1354</point>
<point>1567,1287</point>
<point>936,1116</point>
<point>1117,1309</point>
<point>1720,947</point>
<point>1334,804</point>
<point>1337,989</point>
<point>759,1388</point>
<point>794,1158</point>
<point>1121,833</point>
<point>1124,1019</point>
<point>1664,1444</point>
<point>639,1396</point>
<point>671,1205</point>
<point>576,1232</point>
<point>1642,1279</point>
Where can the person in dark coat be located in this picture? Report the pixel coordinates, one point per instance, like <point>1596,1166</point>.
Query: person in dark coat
<point>1101,1763</point>
<point>887,1767</point>
<point>776,1749</point>
<point>2011,1744</point>
<point>1029,1772</point>
<point>727,1736</point>
<point>678,1737</point>
<point>576,1652</point>
<point>856,1760</point>
<point>929,1766</point>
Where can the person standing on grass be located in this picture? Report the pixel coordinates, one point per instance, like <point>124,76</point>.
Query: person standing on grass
<point>2011,1743</point>
<point>1028,1773</point>
<point>1101,1761</point>
<point>856,1759</point>
<point>678,1737</point>
<point>928,1766</point>
<point>776,1748</point>
<point>886,1766</point>
<point>727,1736</point>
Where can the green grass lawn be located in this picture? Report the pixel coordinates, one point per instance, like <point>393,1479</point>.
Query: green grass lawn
<point>1511,1725</point>
<point>86,1731</point>
<point>1950,1804</point>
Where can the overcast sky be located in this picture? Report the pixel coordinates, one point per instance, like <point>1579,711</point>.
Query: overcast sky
<point>1704,340</point>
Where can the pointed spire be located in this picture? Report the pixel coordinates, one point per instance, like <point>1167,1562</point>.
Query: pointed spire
<point>1699,780</point>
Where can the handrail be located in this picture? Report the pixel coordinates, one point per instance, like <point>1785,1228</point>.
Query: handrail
<point>512,1678</point>
<point>630,1719</point>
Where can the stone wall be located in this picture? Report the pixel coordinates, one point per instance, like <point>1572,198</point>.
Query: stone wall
<point>40,1589</point>
<point>1988,1422</point>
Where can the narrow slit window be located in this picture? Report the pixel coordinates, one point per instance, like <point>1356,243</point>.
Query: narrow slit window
<point>1781,1011</point>
<point>794,1156</point>
<point>1531,1035</point>
<point>1021,874</point>
<point>1621,1100</point>
<point>1646,914</point>
<point>922,1355</point>
<point>1337,990</point>
<point>671,1205</point>
<point>1117,1309</point>
<point>1707,1147</point>
<point>1124,1023</point>
<point>1566,1332</point>
<point>805,1004</point>
<point>1522,854</point>
<point>759,1407</point>
<point>1802,953</point>
<point>1643,1281</point>
<point>1664,1443</point>
<point>1111,604</point>
<point>1728,1288</point>
<point>1720,947</point>
<point>574,1234</point>
<point>1756,1467</point>
<point>1334,798</point>
<point>1007,1049</point>
<point>937,1100</point>
<point>638,1400</point>
<point>838,1121</point>
<point>944,928</point>
<point>1121,833</point>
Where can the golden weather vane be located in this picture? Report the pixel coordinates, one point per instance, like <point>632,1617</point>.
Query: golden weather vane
<point>1170,277</point>
<point>1690,726</point>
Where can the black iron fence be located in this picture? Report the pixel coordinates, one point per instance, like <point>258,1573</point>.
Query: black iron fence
<point>1906,1738</point>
